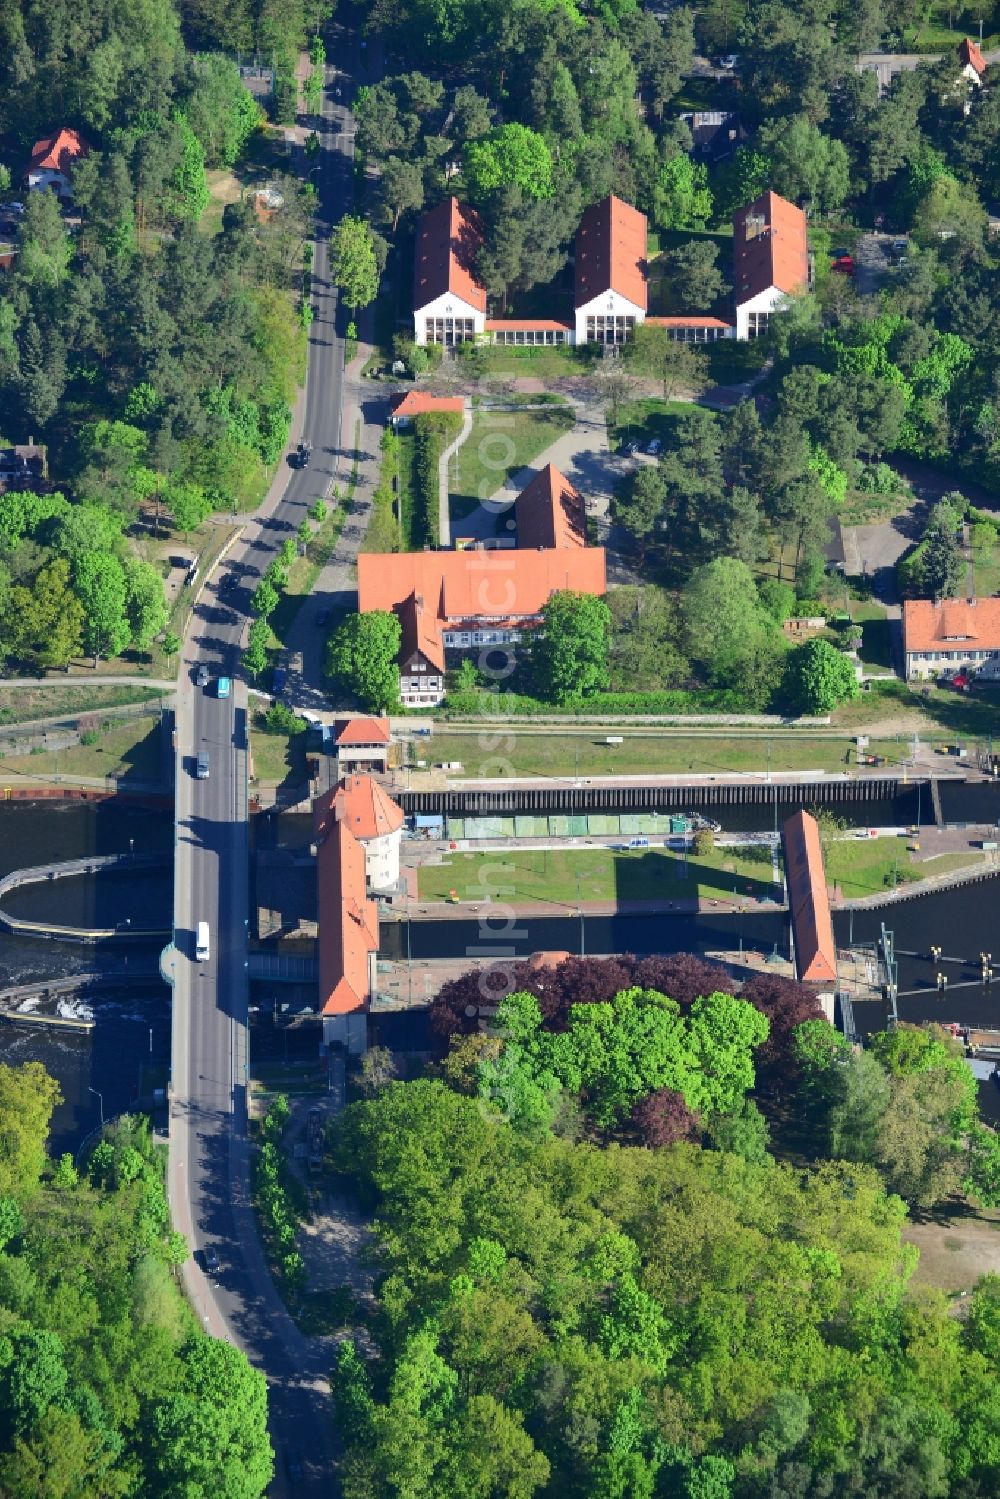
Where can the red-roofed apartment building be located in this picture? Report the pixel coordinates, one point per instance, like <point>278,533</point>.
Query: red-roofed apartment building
<point>461,600</point>
<point>611,281</point>
<point>952,636</point>
<point>770,260</point>
<point>357,830</point>
<point>53,159</point>
<point>449,299</point>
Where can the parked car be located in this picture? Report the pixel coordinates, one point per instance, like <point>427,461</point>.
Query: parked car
<point>898,247</point>
<point>841,254</point>
<point>211,1259</point>
<point>845,266</point>
<point>730,61</point>
<point>653,447</point>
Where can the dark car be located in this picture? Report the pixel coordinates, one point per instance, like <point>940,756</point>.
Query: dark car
<point>293,1464</point>
<point>303,453</point>
<point>211,1258</point>
<point>840,254</point>
<point>323,618</point>
<point>202,677</point>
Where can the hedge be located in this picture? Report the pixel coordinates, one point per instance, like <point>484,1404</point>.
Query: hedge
<point>432,432</point>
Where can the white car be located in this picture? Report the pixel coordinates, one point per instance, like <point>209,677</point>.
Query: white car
<point>730,61</point>
<point>653,447</point>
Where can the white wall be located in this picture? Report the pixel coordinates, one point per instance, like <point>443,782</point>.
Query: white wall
<point>382,860</point>
<point>608,304</point>
<point>765,301</point>
<point>446,306</point>
<point>46,177</point>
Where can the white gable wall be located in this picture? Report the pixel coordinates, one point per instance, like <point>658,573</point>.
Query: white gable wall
<point>447,307</point>
<point>772,299</point>
<point>608,304</point>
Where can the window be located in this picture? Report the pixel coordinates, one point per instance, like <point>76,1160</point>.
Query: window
<point>757,324</point>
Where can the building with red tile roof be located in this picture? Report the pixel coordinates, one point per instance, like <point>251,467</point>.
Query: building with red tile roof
<point>550,512</point>
<point>611,272</point>
<point>770,260</point>
<point>693,329</point>
<point>951,636</point>
<point>52,161</point>
<point>467,598</point>
<point>809,903</point>
<point>542,330</point>
<point>411,403</point>
<point>361,744</point>
<point>449,298</point>
<point>356,828</point>
<point>971,60</point>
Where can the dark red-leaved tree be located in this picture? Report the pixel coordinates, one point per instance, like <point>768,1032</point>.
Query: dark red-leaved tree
<point>683,976</point>
<point>456,1008</point>
<point>786,1005</point>
<point>663,1118</point>
<point>584,981</point>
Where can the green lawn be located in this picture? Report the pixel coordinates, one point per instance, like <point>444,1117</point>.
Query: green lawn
<point>986,567</point>
<point>545,361</point>
<point>640,421</point>
<point>555,876</point>
<point>553,753</point>
<point>500,443</point>
<point>865,866</point>
<point>133,750</point>
<point>277,757</point>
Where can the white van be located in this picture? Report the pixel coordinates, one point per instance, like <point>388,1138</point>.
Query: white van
<point>201,943</point>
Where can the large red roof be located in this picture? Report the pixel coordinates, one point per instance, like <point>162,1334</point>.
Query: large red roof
<point>550,512</point>
<point>973,624</point>
<point>611,252</point>
<point>448,241</point>
<point>360,803</point>
<point>770,248</point>
<point>969,55</point>
<point>421,632</point>
<point>478,584</point>
<point>59,152</point>
<point>808,901</point>
<point>687,322</point>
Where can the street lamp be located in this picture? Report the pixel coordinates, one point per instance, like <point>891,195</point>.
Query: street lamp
<point>100,1100</point>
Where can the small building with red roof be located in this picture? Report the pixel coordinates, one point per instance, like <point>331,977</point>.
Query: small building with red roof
<point>449,297</point>
<point>971,61</point>
<point>411,403</point>
<point>361,744</point>
<point>52,160</point>
<point>952,636</point>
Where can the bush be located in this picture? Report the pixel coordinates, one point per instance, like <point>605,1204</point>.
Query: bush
<point>432,433</point>
<point>877,478</point>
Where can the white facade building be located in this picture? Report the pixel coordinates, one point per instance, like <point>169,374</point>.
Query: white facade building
<point>770,261</point>
<point>611,275</point>
<point>449,300</point>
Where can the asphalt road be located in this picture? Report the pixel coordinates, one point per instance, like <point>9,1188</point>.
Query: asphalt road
<point>208,1160</point>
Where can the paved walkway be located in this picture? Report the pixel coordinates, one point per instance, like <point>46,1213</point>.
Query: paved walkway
<point>64,680</point>
<point>444,497</point>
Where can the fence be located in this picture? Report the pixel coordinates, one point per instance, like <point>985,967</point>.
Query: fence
<point>68,732</point>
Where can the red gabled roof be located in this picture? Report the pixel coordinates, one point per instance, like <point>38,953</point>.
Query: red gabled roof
<point>57,153</point>
<point>350,731</point>
<point>417,402</point>
<point>770,248</point>
<point>421,632</point>
<point>808,901</point>
<point>348,920</point>
<point>550,512</point>
<point>969,55</point>
<point>973,624</point>
<point>477,584</point>
<point>611,252</point>
<point>448,240</point>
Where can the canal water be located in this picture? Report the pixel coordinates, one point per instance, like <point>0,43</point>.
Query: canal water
<point>133,1030</point>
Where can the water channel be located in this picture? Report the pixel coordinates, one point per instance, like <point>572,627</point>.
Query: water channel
<point>133,1029</point>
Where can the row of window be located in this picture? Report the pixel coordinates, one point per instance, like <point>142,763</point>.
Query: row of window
<point>698,335</point>
<point>529,335</point>
<point>449,330</point>
<point>953,655</point>
<point>455,639</point>
<point>614,329</point>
